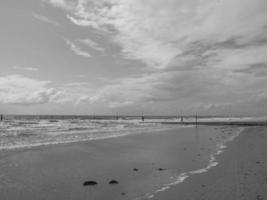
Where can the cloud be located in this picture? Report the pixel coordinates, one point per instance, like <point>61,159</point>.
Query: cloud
<point>157,31</point>
<point>91,44</point>
<point>21,90</point>
<point>45,19</point>
<point>77,50</point>
<point>72,93</point>
<point>189,90</point>
<point>25,68</point>
<point>17,89</point>
<point>64,4</point>
<point>205,53</point>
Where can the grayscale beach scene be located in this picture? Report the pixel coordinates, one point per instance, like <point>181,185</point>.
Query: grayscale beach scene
<point>133,100</point>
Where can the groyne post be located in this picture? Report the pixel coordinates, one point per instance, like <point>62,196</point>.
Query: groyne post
<point>196,119</point>
<point>117,116</point>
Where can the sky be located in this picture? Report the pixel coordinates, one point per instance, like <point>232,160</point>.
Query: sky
<point>159,57</point>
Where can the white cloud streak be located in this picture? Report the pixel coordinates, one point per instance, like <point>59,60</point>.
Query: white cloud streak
<point>45,19</point>
<point>77,50</point>
<point>91,44</point>
<point>25,68</point>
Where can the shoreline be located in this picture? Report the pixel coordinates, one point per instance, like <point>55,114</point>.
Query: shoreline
<point>213,162</point>
<point>240,174</point>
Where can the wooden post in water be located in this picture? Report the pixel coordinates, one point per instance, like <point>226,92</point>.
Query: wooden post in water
<point>196,119</point>
<point>143,117</point>
<point>117,116</point>
<point>181,117</point>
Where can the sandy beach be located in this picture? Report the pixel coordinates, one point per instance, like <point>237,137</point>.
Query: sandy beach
<point>241,173</point>
<point>141,165</point>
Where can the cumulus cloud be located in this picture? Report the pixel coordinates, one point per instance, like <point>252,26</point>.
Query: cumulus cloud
<point>77,50</point>
<point>17,89</point>
<point>73,92</point>
<point>21,90</point>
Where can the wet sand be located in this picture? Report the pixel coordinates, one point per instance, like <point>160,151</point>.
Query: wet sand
<point>137,164</point>
<point>241,174</point>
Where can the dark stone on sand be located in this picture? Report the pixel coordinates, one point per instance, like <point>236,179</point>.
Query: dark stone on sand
<point>123,193</point>
<point>135,169</point>
<point>89,183</point>
<point>259,197</point>
<point>258,162</point>
<point>161,169</point>
<point>113,182</point>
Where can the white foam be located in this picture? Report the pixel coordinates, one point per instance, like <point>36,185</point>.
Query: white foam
<point>20,134</point>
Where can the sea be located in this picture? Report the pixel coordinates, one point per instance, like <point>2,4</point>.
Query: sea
<point>22,131</point>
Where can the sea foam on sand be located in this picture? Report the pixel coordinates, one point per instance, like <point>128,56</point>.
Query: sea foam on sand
<point>184,175</point>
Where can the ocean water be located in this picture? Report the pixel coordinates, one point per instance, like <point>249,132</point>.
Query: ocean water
<point>28,131</point>
<point>20,131</point>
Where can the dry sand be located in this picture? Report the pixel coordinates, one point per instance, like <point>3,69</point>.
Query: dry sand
<point>241,174</point>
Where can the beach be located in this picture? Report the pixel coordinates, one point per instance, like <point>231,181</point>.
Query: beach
<point>241,173</point>
<point>179,163</point>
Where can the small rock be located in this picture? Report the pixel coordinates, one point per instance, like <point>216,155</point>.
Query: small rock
<point>113,182</point>
<point>135,169</point>
<point>89,183</point>
<point>259,197</point>
<point>123,193</point>
<point>161,169</point>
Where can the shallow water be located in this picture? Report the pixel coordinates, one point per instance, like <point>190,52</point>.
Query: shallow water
<point>17,133</point>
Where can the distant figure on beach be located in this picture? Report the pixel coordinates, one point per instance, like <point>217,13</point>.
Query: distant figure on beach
<point>1,117</point>
<point>143,118</point>
<point>182,119</point>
